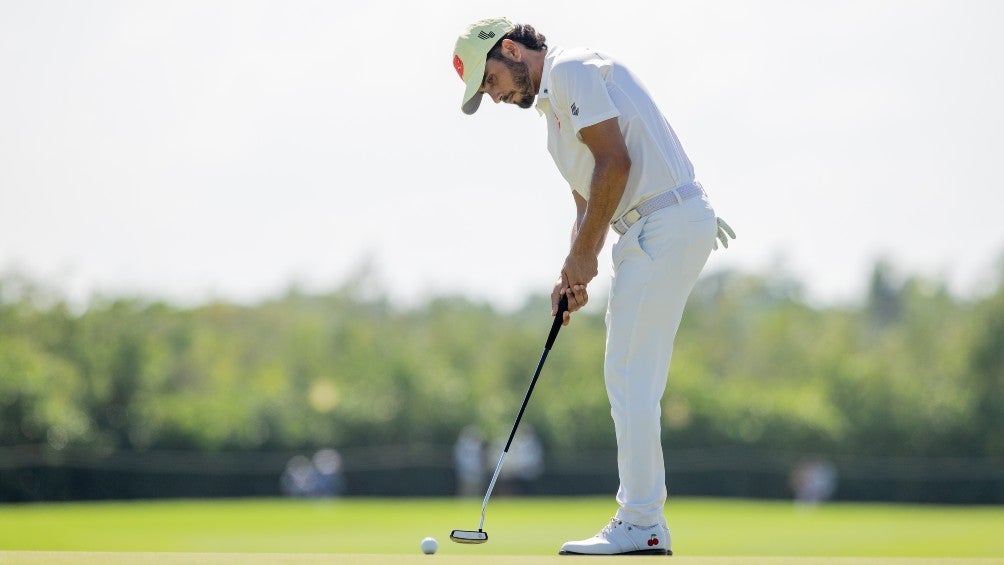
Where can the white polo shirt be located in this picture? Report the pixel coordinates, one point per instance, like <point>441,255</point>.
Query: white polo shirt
<point>581,87</point>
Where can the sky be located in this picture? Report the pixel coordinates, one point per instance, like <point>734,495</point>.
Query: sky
<point>206,150</point>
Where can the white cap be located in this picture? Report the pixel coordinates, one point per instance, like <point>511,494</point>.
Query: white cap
<point>471,53</point>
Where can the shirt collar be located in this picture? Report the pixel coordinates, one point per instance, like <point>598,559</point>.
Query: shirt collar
<point>543,92</point>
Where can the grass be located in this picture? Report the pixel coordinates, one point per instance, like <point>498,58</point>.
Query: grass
<point>528,527</point>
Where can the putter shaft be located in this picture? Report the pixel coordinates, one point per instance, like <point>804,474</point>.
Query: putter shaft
<point>555,326</point>
<point>491,486</point>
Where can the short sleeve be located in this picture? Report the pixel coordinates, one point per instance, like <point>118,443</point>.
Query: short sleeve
<point>579,88</point>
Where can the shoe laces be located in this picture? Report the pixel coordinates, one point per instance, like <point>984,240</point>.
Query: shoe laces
<point>614,522</point>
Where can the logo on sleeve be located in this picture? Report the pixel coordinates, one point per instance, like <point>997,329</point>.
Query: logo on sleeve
<point>575,109</point>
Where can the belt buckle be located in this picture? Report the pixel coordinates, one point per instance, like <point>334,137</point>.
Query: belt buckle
<point>619,226</point>
<point>624,223</point>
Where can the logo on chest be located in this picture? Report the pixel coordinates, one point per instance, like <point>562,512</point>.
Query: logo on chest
<point>575,109</point>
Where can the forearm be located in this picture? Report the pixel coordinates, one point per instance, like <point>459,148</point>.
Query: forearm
<point>610,173</point>
<point>607,187</point>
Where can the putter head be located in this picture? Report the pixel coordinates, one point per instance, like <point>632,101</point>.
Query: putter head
<point>467,536</point>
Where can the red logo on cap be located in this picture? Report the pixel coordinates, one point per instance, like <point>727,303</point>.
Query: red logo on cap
<point>459,65</point>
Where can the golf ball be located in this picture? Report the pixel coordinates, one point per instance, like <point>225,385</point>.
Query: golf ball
<point>429,546</point>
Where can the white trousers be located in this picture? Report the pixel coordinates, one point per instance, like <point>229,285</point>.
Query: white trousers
<point>656,263</point>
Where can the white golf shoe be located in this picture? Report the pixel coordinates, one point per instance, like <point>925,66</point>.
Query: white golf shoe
<point>621,538</point>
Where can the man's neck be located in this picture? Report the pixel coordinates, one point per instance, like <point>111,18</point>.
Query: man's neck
<point>535,60</point>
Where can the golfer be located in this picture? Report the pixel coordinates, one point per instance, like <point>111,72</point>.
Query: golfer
<point>627,171</point>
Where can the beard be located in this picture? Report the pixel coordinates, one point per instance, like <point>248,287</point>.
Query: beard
<point>523,86</point>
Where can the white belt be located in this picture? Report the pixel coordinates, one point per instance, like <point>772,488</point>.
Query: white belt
<point>671,197</point>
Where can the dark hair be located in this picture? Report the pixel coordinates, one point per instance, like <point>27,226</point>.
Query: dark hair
<point>523,34</point>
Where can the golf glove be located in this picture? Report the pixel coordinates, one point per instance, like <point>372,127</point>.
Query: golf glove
<point>724,233</point>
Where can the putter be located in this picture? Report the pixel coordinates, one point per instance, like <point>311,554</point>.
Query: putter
<point>481,536</point>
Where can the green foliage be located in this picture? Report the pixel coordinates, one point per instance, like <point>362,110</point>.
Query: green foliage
<point>911,371</point>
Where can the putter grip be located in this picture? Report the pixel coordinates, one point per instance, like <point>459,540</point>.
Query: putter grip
<point>556,325</point>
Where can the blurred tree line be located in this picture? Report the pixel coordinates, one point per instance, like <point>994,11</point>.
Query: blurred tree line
<point>909,371</point>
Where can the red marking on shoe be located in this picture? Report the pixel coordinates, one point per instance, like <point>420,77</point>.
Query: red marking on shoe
<point>653,540</point>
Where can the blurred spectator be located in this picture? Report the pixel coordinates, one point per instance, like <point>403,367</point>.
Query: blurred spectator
<point>328,464</point>
<point>813,482</point>
<point>319,476</point>
<point>524,463</point>
<point>468,457</point>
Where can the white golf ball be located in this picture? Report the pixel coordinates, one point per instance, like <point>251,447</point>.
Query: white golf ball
<point>429,546</point>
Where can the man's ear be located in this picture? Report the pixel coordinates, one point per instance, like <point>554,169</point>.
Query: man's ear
<point>512,50</point>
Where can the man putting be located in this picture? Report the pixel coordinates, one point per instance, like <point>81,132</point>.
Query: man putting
<point>627,171</point>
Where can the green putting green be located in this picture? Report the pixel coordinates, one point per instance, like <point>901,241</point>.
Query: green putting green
<point>308,530</point>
